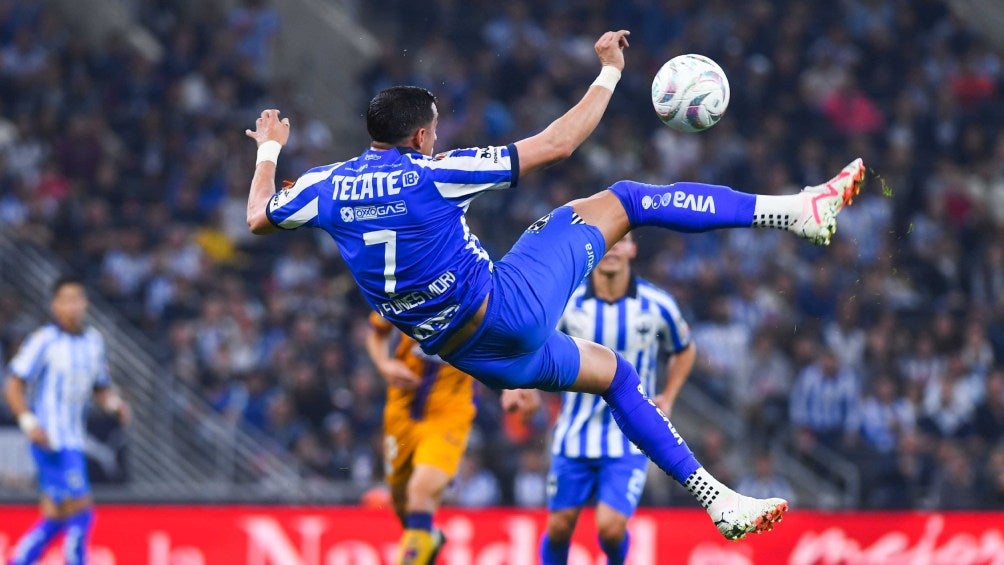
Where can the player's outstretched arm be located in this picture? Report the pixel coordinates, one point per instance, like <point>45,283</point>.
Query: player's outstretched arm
<point>565,134</point>
<point>393,370</point>
<point>270,134</point>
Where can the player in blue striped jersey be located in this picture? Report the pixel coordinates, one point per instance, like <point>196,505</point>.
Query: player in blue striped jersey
<point>63,365</point>
<point>591,458</point>
<point>397,216</point>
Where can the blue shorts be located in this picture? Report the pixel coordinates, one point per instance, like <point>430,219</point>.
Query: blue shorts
<point>615,481</point>
<point>62,475</point>
<point>517,345</point>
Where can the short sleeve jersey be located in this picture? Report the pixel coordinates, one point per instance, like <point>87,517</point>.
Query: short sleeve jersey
<point>637,326</point>
<point>62,370</point>
<point>397,217</point>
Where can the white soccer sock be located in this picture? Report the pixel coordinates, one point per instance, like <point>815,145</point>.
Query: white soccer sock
<point>779,212</point>
<point>706,489</point>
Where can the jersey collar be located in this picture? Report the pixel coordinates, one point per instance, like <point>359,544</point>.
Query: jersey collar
<point>382,154</point>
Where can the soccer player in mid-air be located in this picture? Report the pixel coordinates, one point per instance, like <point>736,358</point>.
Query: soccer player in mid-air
<point>590,457</point>
<point>427,418</point>
<point>397,216</point>
<point>64,364</point>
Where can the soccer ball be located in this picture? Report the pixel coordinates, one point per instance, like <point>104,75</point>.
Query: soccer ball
<point>690,93</point>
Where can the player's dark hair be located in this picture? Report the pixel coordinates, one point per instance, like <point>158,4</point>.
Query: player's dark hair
<point>65,280</point>
<point>395,113</point>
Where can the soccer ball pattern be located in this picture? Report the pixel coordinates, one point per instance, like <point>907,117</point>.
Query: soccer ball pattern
<point>690,93</point>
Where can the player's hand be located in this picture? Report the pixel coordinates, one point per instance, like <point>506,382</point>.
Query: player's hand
<point>664,404</point>
<point>610,48</point>
<point>270,128</point>
<point>398,375</point>
<point>38,436</point>
<point>526,401</point>
<point>124,414</point>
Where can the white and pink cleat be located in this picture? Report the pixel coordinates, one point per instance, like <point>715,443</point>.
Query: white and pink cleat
<point>818,219</point>
<point>736,515</point>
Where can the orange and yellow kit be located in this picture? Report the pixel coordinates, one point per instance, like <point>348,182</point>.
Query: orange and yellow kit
<point>428,425</point>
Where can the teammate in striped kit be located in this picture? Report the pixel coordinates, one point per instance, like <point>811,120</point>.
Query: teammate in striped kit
<point>591,457</point>
<point>63,364</point>
<point>397,216</point>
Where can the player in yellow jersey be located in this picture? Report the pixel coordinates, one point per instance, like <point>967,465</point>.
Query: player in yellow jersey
<point>427,418</point>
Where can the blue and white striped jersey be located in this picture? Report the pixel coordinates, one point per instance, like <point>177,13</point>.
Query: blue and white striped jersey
<point>61,370</point>
<point>398,219</point>
<point>637,326</point>
<point>825,404</point>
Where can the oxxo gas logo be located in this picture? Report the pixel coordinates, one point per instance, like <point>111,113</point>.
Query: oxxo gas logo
<point>373,211</point>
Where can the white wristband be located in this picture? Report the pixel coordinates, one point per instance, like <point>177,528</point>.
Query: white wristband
<point>27,422</point>
<point>268,151</point>
<point>608,77</point>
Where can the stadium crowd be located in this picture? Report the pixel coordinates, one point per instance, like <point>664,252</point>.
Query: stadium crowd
<point>885,347</point>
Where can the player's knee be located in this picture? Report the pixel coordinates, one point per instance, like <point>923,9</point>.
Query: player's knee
<point>560,526</point>
<point>420,499</point>
<point>612,532</point>
<point>423,492</point>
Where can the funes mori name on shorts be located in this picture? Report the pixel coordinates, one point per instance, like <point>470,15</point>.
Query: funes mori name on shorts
<point>406,302</point>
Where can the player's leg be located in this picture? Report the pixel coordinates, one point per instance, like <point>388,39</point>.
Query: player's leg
<point>31,545</point>
<point>696,207</point>
<point>77,508</point>
<point>399,498</point>
<point>557,539</point>
<point>79,514</point>
<point>571,483</point>
<point>601,371</point>
<point>48,465</point>
<point>425,490</point>
<point>401,437</point>
<point>611,527</point>
<point>622,480</point>
<point>441,445</point>
<point>398,447</point>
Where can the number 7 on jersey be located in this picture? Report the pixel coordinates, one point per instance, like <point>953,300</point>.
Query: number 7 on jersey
<point>388,237</point>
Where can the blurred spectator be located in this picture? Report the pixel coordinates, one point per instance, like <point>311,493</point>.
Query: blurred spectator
<point>349,460</point>
<point>765,397</point>
<point>988,420</point>
<point>530,482</point>
<point>764,481</point>
<point>721,357</point>
<point>845,337</point>
<point>954,486</point>
<point>886,420</point>
<point>282,422</point>
<point>992,480</point>
<point>850,110</point>
<point>474,486</point>
<point>824,404</point>
<point>949,402</point>
<point>885,417</point>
